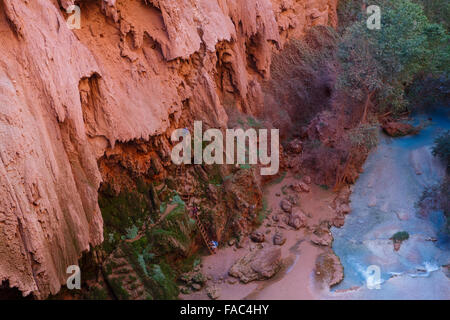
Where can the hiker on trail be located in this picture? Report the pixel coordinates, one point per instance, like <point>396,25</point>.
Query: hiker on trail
<point>214,245</point>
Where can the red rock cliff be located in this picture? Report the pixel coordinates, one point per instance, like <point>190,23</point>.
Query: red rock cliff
<point>134,70</point>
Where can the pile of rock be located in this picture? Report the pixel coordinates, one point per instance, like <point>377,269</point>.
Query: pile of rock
<point>342,206</point>
<point>194,281</point>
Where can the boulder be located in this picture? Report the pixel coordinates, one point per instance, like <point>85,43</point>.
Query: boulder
<point>243,242</point>
<point>286,205</point>
<point>344,208</point>
<point>328,270</point>
<point>213,292</point>
<point>279,239</point>
<point>257,236</point>
<point>322,237</point>
<point>300,187</point>
<point>399,129</point>
<point>304,187</point>
<point>339,220</point>
<point>196,287</point>
<point>257,265</point>
<point>296,221</point>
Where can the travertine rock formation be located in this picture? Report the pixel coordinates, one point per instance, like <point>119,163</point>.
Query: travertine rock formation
<point>133,71</point>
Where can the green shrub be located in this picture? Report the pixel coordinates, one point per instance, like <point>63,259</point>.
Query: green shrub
<point>400,236</point>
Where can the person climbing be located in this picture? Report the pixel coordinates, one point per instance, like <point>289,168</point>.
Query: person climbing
<point>214,245</point>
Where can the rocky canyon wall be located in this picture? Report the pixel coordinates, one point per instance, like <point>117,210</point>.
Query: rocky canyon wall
<point>134,71</point>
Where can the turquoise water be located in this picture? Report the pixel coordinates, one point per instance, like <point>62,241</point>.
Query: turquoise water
<point>383,202</point>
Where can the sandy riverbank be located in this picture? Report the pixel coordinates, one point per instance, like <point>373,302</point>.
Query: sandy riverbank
<point>296,278</point>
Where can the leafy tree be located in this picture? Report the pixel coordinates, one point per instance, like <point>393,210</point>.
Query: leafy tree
<point>381,63</point>
<point>437,11</point>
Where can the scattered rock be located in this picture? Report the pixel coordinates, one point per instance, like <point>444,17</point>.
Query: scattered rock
<point>307,179</point>
<point>257,265</point>
<point>231,242</point>
<point>279,239</point>
<point>275,218</point>
<point>213,292</point>
<point>194,279</point>
<point>278,194</point>
<point>231,281</point>
<point>399,129</point>
<point>286,205</point>
<point>257,236</point>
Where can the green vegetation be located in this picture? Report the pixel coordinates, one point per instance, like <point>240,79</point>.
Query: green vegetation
<point>96,293</point>
<point>364,136</point>
<point>378,65</point>
<point>441,148</point>
<point>119,291</point>
<point>400,236</point>
<point>264,212</point>
<point>125,216</point>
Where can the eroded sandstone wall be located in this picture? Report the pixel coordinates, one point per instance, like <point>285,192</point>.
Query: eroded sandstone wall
<point>135,69</point>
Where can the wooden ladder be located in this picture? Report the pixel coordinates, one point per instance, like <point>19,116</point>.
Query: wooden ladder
<point>205,237</point>
<point>186,197</point>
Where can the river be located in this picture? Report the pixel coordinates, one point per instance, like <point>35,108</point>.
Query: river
<point>383,203</point>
